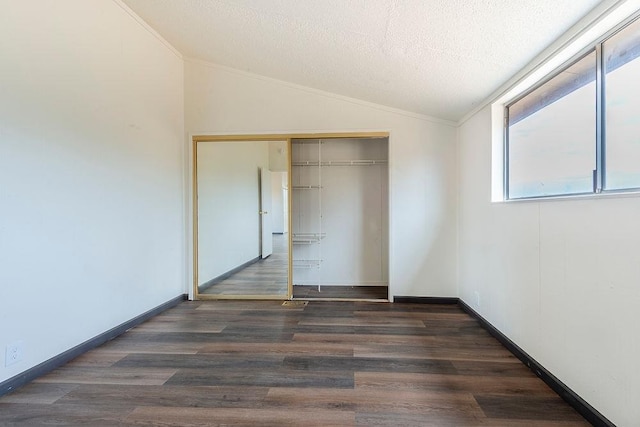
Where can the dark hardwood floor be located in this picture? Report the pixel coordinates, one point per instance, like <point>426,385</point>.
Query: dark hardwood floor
<point>341,292</point>
<point>325,363</point>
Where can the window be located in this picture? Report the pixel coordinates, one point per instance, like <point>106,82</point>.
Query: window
<point>622,108</point>
<point>552,135</point>
<point>576,133</point>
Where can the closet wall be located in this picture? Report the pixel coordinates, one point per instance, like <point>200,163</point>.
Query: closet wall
<point>340,208</point>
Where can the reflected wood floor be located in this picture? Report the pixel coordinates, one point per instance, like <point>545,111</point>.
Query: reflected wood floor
<point>267,276</point>
<point>326,363</point>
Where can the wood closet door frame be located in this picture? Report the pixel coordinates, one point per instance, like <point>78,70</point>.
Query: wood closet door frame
<point>193,209</point>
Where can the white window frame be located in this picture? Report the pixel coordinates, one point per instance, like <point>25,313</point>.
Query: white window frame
<point>507,122</point>
<point>600,25</point>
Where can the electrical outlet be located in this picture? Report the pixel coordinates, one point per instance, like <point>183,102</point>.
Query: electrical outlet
<point>13,353</point>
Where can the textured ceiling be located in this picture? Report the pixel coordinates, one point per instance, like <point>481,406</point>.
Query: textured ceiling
<point>435,57</point>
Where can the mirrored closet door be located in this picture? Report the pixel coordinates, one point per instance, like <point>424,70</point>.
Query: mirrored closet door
<point>241,210</point>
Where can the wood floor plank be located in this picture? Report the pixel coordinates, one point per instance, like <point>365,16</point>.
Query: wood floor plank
<point>30,415</point>
<point>162,416</point>
<point>200,361</point>
<point>404,419</point>
<point>236,305</point>
<point>364,321</point>
<point>421,315</point>
<point>452,420</point>
<point>450,353</point>
<point>514,368</point>
<point>326,363</point>
<point>188,396</point>
<point>283,349</point>
<point>39,393</point>
<point>139,375</point>
<point>260,378</point>
<point>170,325</point>
<point>395,339</point>
<point>134,346</point>
<point>232,333</point>
<point>526,407</point>
<point>368,330</point>
<point>406,401</point>
<point>515,386</point>
<point>495,422</point>
<point>406,308</point>
<point>98,359</point>
<point>371,364</point>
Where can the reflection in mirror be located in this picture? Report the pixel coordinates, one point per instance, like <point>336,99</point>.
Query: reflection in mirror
<point>242,214</point>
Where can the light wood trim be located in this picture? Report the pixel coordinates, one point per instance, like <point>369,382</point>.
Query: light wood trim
<point>341,299</point>
<point>194,197</point>
<point>214,297</point>
<point>289,227</point>
<point>288,137</point>
<point>284,137</point>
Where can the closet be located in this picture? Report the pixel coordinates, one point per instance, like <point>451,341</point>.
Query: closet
<point>339,218</point>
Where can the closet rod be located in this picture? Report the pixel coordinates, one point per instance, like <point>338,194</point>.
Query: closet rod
<point>306,187</point>
<point>307,141</point>
<point>342,163</point>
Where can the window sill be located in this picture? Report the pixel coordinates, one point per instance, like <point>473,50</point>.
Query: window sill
<point>611,194</point>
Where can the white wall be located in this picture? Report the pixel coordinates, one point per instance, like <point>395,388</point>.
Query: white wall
<point>278,159</point>
<point>422,157</point>
<point>558,277</point>
<point>228,205</point>
<point>91,134</point>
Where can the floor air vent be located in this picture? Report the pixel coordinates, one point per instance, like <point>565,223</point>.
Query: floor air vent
<point>295,304</point>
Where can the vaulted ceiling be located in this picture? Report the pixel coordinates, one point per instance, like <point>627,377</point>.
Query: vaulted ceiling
<point>435,57</point>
